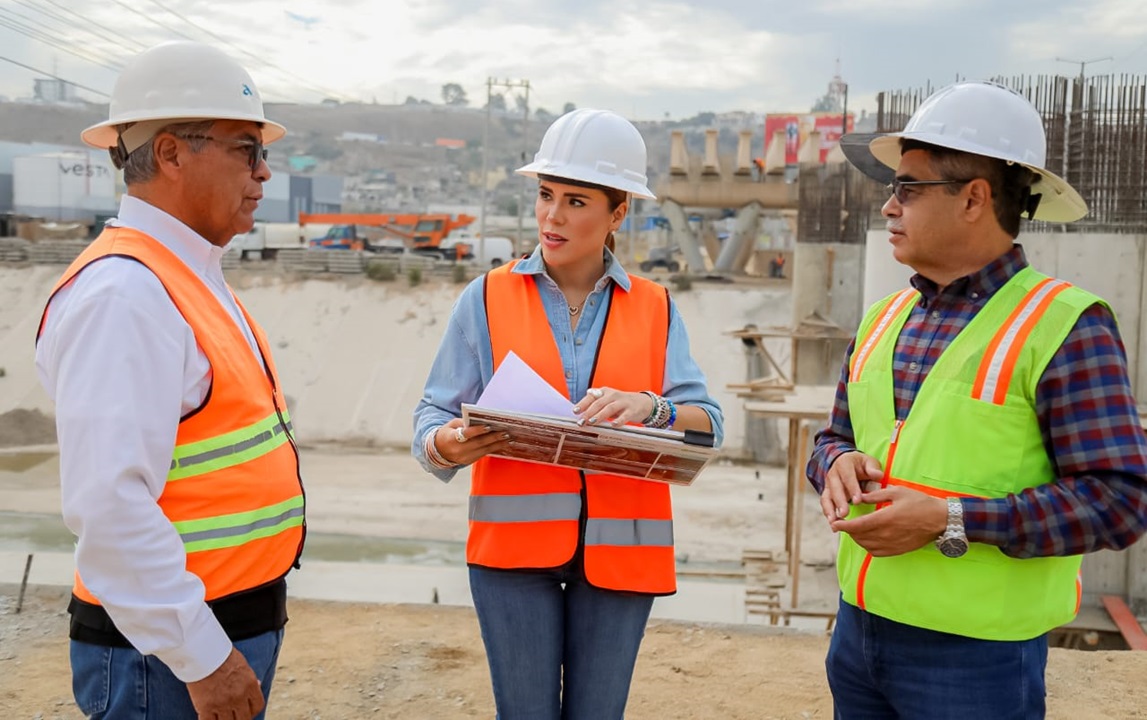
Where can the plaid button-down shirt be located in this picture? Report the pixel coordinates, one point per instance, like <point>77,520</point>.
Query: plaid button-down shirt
<point>1087,416</point>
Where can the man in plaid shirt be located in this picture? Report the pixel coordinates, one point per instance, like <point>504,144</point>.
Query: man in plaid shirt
<point>984,434</point>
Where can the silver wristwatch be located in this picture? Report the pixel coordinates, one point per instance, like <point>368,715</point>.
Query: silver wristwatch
<point>953,542</point>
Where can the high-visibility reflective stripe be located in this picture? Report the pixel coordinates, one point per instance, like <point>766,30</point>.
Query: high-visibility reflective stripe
<point>629,533</point>
<point>860,357</point>
<point>239,528</point>
<point>930,490</point>
<point>525,508</point>
<point>229,450</point>
<point>999,363</point>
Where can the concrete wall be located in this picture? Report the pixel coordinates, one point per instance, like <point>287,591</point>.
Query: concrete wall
<point>354,354</point>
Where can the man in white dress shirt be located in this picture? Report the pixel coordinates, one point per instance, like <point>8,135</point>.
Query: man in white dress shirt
<point>179,473</point>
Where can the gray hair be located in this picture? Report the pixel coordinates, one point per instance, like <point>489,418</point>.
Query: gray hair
<point>140,164</point>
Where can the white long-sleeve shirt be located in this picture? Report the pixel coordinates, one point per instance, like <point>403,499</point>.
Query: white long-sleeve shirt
<point>123,367</point>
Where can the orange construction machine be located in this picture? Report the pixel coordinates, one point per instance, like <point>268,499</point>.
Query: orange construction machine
<point>381,232</point>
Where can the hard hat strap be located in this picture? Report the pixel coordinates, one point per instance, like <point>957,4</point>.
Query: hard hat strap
<point>118,153</point>
<point>1029,201</point>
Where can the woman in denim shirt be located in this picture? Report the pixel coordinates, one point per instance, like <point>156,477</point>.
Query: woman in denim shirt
<point>559,644</point>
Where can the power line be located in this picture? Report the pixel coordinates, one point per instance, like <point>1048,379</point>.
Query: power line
<point>151,19</point>
<point>54,77</point>
<point>47,39</point>
<point>86,23</point>
<point>262,60</point>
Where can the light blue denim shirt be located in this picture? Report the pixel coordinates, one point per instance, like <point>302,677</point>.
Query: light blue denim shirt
<point>465,362</point>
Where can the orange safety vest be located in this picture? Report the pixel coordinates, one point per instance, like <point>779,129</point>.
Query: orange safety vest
<point>233,491</point>
<point>530,516</point>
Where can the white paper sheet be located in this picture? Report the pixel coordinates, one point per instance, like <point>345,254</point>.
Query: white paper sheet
<point>516,387</point>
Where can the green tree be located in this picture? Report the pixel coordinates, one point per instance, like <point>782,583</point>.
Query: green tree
<point>453,94</point>
<point>568,107</point>
<point>498,102</point>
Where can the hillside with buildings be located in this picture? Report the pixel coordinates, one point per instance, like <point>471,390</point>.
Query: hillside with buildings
<point>389,157</point>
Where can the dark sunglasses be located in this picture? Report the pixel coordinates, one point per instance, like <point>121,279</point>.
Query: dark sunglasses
<point>900,188</point>
<point>256,153</point>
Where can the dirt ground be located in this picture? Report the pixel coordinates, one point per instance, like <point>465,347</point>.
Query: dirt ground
<point>344,661</point>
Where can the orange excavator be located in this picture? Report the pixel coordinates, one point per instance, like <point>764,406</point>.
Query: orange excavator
<point>379,232</point>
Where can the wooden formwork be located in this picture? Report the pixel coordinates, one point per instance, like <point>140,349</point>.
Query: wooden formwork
<point>766,577</point>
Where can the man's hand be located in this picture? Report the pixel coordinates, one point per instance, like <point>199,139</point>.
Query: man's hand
<point>842,485</point>
<point>232,692</point>
<point>910,520</point>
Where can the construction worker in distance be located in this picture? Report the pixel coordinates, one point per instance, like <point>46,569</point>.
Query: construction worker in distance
<point>178,469</point>
<point>564,565</point>
<point>984,434</point>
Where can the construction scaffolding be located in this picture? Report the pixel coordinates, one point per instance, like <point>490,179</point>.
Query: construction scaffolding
<point>1096,140</point>
<point>836,203</point>
<point>1096,135</point>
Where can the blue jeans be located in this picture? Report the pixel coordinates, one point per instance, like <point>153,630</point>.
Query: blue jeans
<point>878,668</point>
<point>112,683</point>
<point>557,647</point>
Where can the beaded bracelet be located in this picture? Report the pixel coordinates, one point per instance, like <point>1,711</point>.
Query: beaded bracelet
<point>432,453</point>
<point>652,411</point>
<point>664,412</point>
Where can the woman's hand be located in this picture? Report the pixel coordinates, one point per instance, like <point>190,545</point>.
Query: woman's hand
<point>606,406</point>
<point>464,445</point>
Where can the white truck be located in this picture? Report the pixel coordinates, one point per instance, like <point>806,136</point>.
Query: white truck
<point>265,240</point>
<point>493,252</point>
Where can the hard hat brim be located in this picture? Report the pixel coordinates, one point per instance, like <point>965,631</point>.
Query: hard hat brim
<point>104,135</point>
<point>877,155</point>
<point>563,171</point>
<point>855,147</point>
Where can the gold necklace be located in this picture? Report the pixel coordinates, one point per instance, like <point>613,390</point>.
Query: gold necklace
<point>574,309</point>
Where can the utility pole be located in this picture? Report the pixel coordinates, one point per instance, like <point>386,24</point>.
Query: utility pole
<point>1083,64</point>
<point>525,154</point>
<point>1073,136</point>
<point>844,167</point>
<point>491,83</point>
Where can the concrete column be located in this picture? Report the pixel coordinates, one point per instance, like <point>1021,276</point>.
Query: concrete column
<point>809,152</point>
<point>827,279</point>
<point>683,235</point>
<point>762,439</point>
<point>744,233</point>
<point>744,153</point>
<point>678,156</point>
<point>775,153</point>
<point>711,164</point>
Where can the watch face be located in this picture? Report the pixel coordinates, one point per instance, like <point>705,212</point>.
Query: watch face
<point>953,547</point>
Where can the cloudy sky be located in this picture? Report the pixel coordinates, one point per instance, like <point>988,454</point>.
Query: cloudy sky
<point>642,58</point>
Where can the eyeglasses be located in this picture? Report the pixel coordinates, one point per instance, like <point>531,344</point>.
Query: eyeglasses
<point>256,153</point>
<point>900,189</point>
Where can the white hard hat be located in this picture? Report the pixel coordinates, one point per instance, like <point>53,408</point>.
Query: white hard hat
<point>180,82</point>
<point>593,146</point>
<point>983,119</point>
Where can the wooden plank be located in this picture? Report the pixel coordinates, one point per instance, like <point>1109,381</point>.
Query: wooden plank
<point>1126,621</point>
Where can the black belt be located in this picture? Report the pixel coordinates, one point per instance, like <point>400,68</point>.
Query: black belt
<point>243,615</point>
